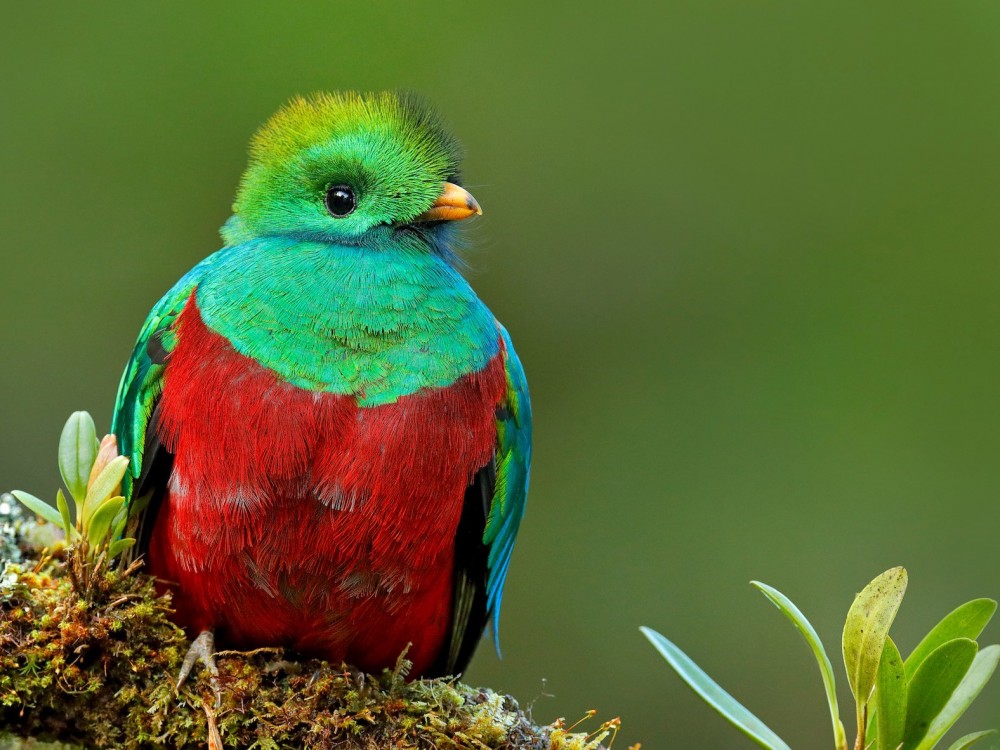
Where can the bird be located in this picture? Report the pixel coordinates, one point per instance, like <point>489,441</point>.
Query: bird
<point>328,432</point>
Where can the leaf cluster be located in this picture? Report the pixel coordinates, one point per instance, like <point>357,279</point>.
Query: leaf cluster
<point>92,471</point>
<point>899,704</point>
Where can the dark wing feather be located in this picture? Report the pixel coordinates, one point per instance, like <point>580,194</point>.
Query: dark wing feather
<point>469,613</point>
<point>493,508</point>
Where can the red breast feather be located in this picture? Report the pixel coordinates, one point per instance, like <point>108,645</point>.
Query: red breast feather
<point>297,517</point>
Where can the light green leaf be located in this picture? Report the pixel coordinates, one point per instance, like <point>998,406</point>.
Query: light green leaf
<point>932,686</point>
<point>970,739</point>
<point>105,484</point>
<point>966,621</point>
<point>38,507</point>
<point>77,451</point>
<point>119,546</point>
<point>713,695</point>
<point>100,522</point>
<point>865,632</point>
<point>890,698</point>
<point>67,522</point>
<point>983,667</point>
<point>803,625</point>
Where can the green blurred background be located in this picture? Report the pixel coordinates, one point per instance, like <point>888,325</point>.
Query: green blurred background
<point>748,252</point>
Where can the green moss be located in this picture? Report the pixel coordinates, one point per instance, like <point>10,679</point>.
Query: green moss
<point>99,674</point>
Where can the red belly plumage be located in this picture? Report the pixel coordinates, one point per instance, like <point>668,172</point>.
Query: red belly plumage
<point>299,518</point>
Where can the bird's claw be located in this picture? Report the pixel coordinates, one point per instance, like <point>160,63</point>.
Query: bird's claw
<point>203,650</point>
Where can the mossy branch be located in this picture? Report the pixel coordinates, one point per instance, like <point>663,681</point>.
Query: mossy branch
<point>98,672</point>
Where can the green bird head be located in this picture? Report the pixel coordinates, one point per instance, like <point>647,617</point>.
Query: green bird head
<point>344,167</point>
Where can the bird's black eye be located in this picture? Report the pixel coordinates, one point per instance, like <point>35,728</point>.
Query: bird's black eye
<point>340,201</point>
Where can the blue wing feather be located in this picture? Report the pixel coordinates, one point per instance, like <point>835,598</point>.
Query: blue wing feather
<point>513,461</point>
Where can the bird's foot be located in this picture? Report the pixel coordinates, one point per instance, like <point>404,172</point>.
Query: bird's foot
<point>356,675</point>
<point>203,650</point>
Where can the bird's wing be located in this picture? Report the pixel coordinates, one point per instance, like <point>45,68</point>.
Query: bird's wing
<point>142,384</point>
<point>513,464</point>
<point>494,505</point>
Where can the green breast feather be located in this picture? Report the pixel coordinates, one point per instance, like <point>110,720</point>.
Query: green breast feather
<point>346,319</point>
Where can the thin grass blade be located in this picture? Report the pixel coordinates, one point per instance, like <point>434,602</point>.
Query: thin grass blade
<point>67,522</point>
<point>730,709</point>
<point>787,608</point>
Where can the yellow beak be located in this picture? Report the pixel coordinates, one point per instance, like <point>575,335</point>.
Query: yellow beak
<point>454,203</point>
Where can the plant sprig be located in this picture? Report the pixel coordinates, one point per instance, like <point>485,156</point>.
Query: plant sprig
<point>900,705</point>
<point>92,471</point>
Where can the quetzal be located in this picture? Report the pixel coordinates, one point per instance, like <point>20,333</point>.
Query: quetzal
<point>332,431</point>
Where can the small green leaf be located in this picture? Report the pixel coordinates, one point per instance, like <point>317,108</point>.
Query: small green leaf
<point>932,686</point>
<point>119,546</point>
<point>785,605</point>
<point>731,710</point>
<point>890,698</point>
<point>865,632</point>
<point>983,667</point>
<point>67,521</point>
<point>77,451</point>
<point>38,507</point>
<point>105,484</point>
<point>119,523</point>
<point>100,522</point>
<point>966,621</point>
<point>970,739</point>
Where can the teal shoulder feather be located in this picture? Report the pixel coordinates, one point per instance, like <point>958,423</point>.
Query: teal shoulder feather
<point>513,463</point>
